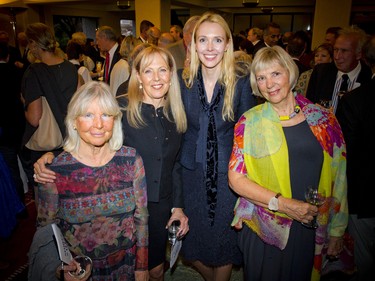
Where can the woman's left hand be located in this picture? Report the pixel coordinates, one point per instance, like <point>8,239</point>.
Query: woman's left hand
<point>335,246</point>
<point>141,275</point>
<point>179,215</point>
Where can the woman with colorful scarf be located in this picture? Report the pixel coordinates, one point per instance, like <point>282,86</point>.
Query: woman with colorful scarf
<point>280,148</point>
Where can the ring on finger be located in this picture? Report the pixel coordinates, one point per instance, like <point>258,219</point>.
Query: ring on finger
<point>34,176</point>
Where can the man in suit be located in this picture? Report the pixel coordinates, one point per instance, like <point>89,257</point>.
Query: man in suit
<point>24,50</point>
<point>180,50</point>
<point>296,48</point>
<point>271,36</point>
<point>355,113</point>
<point>143,28</point>
<point>255,36</point>
<point>107,43</point>
<point>327,79</point>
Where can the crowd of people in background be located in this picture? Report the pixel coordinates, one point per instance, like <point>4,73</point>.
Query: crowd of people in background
<point>220,131</point>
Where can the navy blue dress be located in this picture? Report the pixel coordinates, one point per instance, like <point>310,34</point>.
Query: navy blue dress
<point>214,244</point>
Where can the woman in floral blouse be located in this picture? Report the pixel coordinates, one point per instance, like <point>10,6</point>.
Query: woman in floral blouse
<point>99,197</point>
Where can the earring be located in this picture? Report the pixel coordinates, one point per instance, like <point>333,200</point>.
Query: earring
<point>140,86</point>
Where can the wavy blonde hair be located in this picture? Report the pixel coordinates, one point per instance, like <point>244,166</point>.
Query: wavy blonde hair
<point>227,78</point>
<point>173,102</point>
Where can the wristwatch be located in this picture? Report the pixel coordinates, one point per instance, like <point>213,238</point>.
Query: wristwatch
<point>273,205</point>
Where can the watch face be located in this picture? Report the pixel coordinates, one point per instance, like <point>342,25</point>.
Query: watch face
<point>273,205</point>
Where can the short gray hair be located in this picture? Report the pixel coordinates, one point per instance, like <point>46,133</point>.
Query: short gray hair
<point>78,105</point>
<point>267,56</point>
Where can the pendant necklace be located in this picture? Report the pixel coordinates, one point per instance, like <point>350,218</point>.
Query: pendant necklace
<point>297,109</point>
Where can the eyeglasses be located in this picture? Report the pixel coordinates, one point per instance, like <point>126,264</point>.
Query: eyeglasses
<point>275,36</point>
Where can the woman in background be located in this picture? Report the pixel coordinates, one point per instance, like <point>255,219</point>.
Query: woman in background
<point>322,54</point>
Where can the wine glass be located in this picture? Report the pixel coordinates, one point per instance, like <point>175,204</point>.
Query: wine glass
<point>99,66</point>
<point>316,198</point>
<point>84,267</point>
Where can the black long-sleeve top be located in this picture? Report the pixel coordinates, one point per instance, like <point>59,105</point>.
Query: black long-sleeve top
<point>159,145</point>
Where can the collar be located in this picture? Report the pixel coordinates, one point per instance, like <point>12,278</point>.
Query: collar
<point>352,74</point>
<point>113,50</point>
<point>75,62</point>
<point>255,42</point>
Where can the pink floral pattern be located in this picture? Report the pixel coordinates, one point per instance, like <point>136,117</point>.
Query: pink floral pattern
<point>101,211</point>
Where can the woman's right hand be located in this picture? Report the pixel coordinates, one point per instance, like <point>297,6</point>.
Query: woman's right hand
<point>42,174</point>
<point>297,210</point>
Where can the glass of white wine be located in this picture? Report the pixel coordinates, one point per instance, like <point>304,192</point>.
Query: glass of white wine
<point>316,198</point>
<point>99,69</point>
<point>83,267</point>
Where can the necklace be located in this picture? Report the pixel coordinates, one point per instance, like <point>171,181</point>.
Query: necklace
<point>297,109</point>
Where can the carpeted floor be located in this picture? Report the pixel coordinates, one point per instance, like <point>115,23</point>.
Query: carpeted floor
<point>14,250</point>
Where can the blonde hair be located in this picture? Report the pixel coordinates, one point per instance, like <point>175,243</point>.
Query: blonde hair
<point>78,106</point>
<point>268,56</point>
<point>227,76</point>
<point>127,46</point>
<point>173,102</point>
<point>79,37</point>
<point>42,35</point>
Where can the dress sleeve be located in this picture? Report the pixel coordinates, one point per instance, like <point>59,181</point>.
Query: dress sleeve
<point>47,199</point>
<point>141,214</point>
<point>236,161</point>
<point>31,89</point>
<point>244,97</point>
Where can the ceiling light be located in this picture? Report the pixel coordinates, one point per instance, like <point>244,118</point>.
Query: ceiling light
<point>250,3</point>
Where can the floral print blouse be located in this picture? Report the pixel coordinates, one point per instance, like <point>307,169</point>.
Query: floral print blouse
<point>101,211</point>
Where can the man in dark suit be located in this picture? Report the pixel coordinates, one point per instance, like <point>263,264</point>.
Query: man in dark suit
<point>255,36</point>
<point>355,113</point>
<point>107,43</point>
<point>143,28</point>
<point>271,36</point>
<point>325,85</point>
<point>296,48</point>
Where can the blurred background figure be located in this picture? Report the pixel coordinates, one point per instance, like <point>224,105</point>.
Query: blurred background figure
<point>322,54</point>
<point>153,35</point>
<point>121,70</point>
<point>356,116</point>
<point>331,34</point>
<point>165,40</point>
<point>176,32</point>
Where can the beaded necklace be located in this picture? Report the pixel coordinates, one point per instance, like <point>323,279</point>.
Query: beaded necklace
<point>297,109</point>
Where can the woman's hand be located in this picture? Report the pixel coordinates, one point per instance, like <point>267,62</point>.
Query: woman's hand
<point>42,174</point>
<point>179,215</point>
<point>71,268</point>
<point>141,275</point>
<point>335,246</point>
<point>297,210</point>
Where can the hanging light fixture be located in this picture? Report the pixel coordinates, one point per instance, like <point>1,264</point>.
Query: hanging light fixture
<point>124,5</point>
<point>250,3</point>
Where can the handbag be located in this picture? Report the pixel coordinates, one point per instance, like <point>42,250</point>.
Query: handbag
<point>47,136</point>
